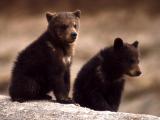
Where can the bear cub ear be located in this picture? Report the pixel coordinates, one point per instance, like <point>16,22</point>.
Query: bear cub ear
<point>77,13</point>
<point>118,43</point>
<point>49,16</point>
<point>135,44</point>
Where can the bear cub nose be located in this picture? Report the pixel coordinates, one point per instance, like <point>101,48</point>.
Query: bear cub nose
<point>74,35</point>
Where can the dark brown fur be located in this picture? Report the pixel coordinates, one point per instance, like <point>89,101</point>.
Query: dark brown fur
<point>45,64</point>
<point>100,82</point>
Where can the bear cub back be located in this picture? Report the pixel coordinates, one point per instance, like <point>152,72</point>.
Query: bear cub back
<point>100,82</point>
<point>44,65</point>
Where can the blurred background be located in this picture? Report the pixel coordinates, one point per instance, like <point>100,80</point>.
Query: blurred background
<point>22,21</point>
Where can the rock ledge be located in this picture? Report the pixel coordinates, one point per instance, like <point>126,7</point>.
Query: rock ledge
<point>44,110</point>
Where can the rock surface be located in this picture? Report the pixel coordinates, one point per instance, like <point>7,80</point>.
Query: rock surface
<point>45,110</point>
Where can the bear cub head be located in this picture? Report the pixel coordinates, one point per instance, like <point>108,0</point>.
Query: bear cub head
<point>64,26</point>
<point>127,57</point>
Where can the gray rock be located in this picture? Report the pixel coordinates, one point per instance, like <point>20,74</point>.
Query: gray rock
<point>45,110</point>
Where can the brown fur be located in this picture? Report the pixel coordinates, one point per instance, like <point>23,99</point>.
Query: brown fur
<point>99,84</point>
<point>44,65</point>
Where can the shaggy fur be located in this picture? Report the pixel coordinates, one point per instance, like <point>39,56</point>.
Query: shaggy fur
<point>100,82</point>
<point>44,65</point>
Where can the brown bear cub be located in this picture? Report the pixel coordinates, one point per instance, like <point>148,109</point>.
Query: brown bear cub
<point>100,82</point>
<point>44,65</point>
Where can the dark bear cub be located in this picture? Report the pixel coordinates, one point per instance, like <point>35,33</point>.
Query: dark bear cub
<point>44,65</point>
<point>100,82</point>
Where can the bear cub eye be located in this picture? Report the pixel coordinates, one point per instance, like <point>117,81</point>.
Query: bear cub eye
<point>75,26</point>
<point>131,61</point>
